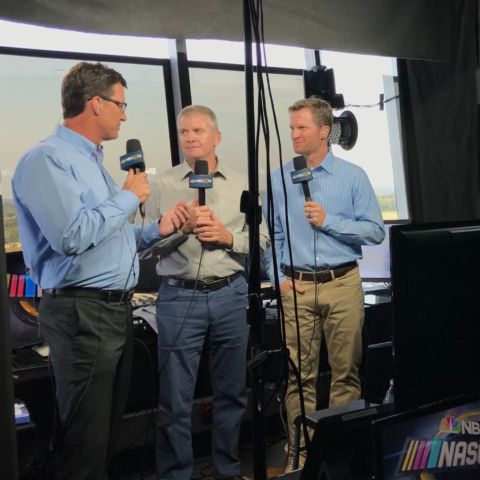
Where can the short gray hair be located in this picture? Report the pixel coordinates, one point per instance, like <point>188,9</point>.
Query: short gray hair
<point>202,109</point>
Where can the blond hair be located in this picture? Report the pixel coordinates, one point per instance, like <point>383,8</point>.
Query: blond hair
<point>321,110</point>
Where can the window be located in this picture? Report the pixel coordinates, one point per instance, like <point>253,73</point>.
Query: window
<point>219,51</point>
<point>31,108</point>
<point>31,103</point>
<point>361,79</point>
<point>21,35</point>
<point>215,83</point>
<point>224,92</point>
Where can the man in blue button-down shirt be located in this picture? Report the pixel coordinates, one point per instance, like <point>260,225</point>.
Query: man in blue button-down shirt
<point>326,237</point>
<point>81,249</point>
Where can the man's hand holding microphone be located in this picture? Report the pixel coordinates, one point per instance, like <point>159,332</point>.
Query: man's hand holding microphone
<point>137,183</point>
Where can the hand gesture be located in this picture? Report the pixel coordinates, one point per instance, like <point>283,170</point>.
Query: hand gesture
<point>194,213</point>
<point>173,219</point>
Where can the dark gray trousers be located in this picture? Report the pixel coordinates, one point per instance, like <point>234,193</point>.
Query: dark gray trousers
<point>90,343</point>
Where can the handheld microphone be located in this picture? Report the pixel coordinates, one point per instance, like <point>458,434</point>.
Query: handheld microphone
<point>200,179</point>
<point>303,175</point>
<point>133,159</point>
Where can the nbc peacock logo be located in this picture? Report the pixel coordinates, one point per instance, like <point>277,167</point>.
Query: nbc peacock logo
<point>449,424</point>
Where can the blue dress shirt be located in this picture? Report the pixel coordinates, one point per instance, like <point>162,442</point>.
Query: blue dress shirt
<point>73,218</point>
<point>353,217</point>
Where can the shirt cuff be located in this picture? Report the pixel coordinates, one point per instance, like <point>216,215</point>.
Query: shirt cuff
<point>151,233</point>
<point>327,223</point>
<point>238,243</point>
<point>281,277</point>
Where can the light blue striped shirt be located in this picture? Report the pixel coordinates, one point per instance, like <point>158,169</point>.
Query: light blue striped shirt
<point>353,216</point>
<point>73,219</point>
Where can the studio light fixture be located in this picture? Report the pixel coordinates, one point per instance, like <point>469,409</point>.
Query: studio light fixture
<point>319,82</point>
<point>344,130</point>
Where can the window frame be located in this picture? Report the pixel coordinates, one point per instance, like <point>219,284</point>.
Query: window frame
<point>95,57</point>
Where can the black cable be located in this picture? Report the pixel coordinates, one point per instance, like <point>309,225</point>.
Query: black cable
<point>58,430</point>
<point>69,420</point>
<point>270,220</point>
<point>264,118</point>
<point>370,105</point>
<point>306,358</point>
<point>187,313</point>
<point>257,17</point>
<point>263,121</point>
<point>152,413</point>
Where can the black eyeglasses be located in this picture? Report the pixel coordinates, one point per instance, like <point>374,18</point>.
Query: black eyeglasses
<point>121,105</point>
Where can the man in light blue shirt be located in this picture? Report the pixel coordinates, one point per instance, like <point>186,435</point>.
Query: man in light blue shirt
<point>80,248</point>
<point>321,280</point>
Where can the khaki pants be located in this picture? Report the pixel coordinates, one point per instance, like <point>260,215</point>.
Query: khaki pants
<point>333,310</point>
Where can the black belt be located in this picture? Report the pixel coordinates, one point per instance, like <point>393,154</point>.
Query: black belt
<point>105,295</point>
<point>201,285</point>
<point>320,276</point>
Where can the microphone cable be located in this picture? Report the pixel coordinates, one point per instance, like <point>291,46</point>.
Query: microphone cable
<point>262,120</point>
<point>104,339</point>
<point>258,29</point>
<point>187,313</point>
<point>59,430</point>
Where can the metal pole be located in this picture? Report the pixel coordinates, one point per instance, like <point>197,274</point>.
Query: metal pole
<point>255,312</point>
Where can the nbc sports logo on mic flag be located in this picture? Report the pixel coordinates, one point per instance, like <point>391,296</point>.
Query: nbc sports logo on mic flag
<point>200,181</point>
<point>304,175</point>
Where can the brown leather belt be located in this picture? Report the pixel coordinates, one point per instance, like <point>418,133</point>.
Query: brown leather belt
<point>320,276</point>
<point>201,285</point>
<point>105,295</point>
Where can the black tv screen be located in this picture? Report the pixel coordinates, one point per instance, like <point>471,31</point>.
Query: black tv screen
<point>436,311</point>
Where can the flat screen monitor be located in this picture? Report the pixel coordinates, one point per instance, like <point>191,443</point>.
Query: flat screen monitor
<point>341,446</point>
<point>436,311</point>
<point>374,265</point>
<point>437,441</point>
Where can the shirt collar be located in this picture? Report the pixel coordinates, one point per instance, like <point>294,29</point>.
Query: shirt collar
<point>79,142</point>
<point>327,163</point>
<point>184,170</point>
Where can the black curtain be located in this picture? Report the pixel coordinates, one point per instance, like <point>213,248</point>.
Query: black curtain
<point>8,445</point>
<point>439,109</point>
<point>396,28</point>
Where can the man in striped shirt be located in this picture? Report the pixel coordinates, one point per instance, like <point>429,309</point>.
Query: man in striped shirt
<point>321,279</point>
